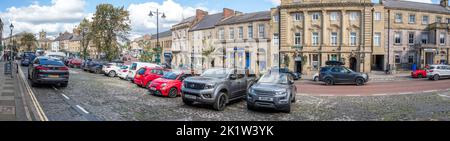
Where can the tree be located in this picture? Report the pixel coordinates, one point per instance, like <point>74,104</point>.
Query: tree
<point>109,23</point>
<point>28,40</point>
<point>85,27</point>
<point>147,55</point>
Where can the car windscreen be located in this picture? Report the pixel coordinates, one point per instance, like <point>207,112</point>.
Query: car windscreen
<point>170,76</point>
<point>324,69</point>
<point>124,67</point>
<point>216,73</point>
<point>274,78</point>
<point>141,71</point>
<point>52,62</point>
<point>134,66</point>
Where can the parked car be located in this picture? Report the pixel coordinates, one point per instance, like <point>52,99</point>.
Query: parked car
<point>339,74</point>
<point>60,55</point>
<point>27,58</point>
<point>112,69</point>
<point>315,77</point>
<point>136,66</point>
<point>273,90</point>
<point>169,85</point>
<point>216,87</point>
<point>295,75</point>
<point>85,64</point>
<point>95,67</point>
<point>419,74</point>
<point>47,70</point>
<point>75,63</point>
<point>144,76</point>
<point>123,71</point>
<point>436,72</point>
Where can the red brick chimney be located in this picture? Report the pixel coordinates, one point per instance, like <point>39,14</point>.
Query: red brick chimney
<point>200,14</point>
<point>228,13</point>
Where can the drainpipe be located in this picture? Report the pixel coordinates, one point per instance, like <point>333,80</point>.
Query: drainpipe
<point>279,36</point>
<point>373,34</point>
<point>388,67</point>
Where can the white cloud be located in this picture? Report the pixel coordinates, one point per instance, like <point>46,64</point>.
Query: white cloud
<point>61,15</point>
<point>275,2</point>
<point>143,24</point>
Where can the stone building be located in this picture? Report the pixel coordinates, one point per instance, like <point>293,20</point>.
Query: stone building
<point>165,42</point>
<point>44,43</point>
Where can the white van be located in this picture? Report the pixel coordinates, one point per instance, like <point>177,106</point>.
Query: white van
<point>136,66</point>
<point>60,55</point>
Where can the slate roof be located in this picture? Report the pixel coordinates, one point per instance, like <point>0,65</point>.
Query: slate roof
<point>164,34</point>
<point>208,22</point>
<point>190,19</point>
<point>247,17</point>
<point>68,36</point>
<point>400,4</point>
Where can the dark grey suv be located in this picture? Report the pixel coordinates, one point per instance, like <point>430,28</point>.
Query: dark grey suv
<point>217,87</point>
<point>339,74</point>
<point>273,90</point>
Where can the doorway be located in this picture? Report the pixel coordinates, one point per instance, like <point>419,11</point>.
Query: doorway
<point>429,58</point>
<point>247,60</point>
<point>298,66</point>
<point>378,62</point>
<point>353,64</point>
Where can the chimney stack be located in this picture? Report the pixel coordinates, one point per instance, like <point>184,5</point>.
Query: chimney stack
<point>227,13</point>
<point>200,14</point>
<point>444,3</point>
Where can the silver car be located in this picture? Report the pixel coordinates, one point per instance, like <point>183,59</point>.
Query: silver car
<point>436,72</point>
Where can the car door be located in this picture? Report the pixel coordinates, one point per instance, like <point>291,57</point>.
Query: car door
<point>336,74</point>
<point>447,71</point>
<point>234,87</point>
<point>347,76</point>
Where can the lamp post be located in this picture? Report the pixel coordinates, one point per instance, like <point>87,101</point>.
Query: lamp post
<point>10,40</point>
<point>157,13</point>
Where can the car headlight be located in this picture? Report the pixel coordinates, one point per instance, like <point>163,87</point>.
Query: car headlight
<point>281,93</point>
<point>163,85</point>
<point>209,86</point>
<point>251,91</point>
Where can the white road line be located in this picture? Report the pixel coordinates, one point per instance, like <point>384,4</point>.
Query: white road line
<point>444,95</point>
<point>55,88</point>
<point>430,91</point>
<point>405,93</point>
<point>380,94</point>
<point>82,109</point>
<point>66,97</point>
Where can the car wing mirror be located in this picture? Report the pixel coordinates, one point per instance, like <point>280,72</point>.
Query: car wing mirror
<point>233,76</point>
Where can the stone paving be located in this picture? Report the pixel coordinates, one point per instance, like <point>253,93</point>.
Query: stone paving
<point>7,96</point>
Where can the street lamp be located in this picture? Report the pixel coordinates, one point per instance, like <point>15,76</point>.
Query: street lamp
<point>157,13</point>
<point>10,39</point>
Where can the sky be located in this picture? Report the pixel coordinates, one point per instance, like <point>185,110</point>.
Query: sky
<point>55,16</point>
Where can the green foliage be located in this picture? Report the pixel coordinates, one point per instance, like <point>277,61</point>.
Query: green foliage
<point>28,40</point>
<point>108,24</point>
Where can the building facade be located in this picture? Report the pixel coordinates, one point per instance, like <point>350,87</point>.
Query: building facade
<point>165,42</point>
<point>388,35</point>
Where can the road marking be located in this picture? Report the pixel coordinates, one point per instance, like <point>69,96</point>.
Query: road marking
<point>55,88</point>
<point>66,97</point>
<point>301,94</point>
<point>405,93</point>
<point>380,94</point>
<point>35,102</point>
<point>430,91</point>
<point>74,72</point>
<point>82,109</point>
<point>444,95</point>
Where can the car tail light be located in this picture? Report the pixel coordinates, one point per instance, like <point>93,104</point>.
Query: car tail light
<point>124,70</point>
<point>63,68</point>
<point>41,68</point>
<point>431,70</point>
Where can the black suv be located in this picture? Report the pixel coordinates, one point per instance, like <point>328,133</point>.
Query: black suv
<point>333,74</point>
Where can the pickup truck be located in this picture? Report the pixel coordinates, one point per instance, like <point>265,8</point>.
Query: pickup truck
<point>217,87</point>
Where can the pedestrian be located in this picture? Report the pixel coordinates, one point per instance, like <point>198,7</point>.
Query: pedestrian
<point>414,67</point>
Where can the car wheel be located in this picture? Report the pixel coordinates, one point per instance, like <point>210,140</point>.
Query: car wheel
<point>250,106</point>
<point>419,76</point>
<point>112,74</point>
<point>316,78</point>
<point>287,109</point>
<point>173,93</point>
<point>64,84</point>
<point>221,102</point>
<point>188,102</point>
<point>33,84</point>
<point>329,81</point>
<point>148,85</point>
<point>436,77</point>
<point>294,99</point>
<point>97,71</point>
<point>359,81</point>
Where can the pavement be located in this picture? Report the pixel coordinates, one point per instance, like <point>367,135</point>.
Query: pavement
<point>16,101</point>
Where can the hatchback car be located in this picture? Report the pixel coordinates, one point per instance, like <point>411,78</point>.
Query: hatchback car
<point>436,72</point>
<point>112,69</point>
<point>123,71</point>
<point>419,74</point>
<point>27,58</point>
<point>45,70</point>
<point>339,74</point>
<point>273,90</point>
<point>75,63</point>
<point>169,85</point>
<point>144,76</point>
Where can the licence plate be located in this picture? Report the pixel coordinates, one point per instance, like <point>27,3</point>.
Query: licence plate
<point>265,99</point>
<point>190,96</point>
<point>53,76</point>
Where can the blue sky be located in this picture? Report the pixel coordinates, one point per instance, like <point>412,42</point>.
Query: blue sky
<point>55,16</point>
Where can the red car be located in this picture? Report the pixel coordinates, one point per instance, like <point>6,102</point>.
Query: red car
<point>168,85</point>
<point>144,76</point>
<point>419,74</point>
<point>75,63</point>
